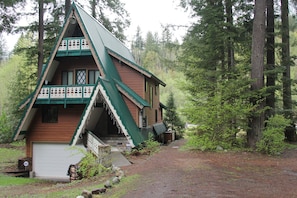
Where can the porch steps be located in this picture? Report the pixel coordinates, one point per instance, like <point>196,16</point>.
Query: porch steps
<point>117,146</point>
<point>118,159</point>
<point>117,143</point>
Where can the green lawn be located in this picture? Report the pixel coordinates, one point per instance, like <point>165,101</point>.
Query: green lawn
<point>9,157</point>
<point>9,181</point>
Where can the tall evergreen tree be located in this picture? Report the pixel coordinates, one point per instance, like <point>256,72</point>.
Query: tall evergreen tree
<point>256,122</point>
<point>137,46</point>
<point>2,48</point>
<point>8,14</point>
<point>286,64</point>
<point>270,53</point>
<point>40,38</point>
<point>212,71</point>
<point>171,117</point>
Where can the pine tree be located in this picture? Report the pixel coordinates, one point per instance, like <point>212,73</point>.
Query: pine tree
<point>171,117</point>
<point>256,121</point>
<point>217,80</point>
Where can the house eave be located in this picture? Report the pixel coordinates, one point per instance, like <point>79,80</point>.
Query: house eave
<point>135,67</point>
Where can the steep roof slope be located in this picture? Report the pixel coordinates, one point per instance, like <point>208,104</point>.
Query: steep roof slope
<point>102,44</point>
<point>101,40</point>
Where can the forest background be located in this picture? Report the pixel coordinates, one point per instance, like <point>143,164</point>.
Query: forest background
<point>234,70</point>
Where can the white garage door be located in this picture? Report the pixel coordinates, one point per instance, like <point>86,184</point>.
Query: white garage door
<point>51,161</point>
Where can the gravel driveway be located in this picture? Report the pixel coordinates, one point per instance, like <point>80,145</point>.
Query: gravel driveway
<point>176,173</point>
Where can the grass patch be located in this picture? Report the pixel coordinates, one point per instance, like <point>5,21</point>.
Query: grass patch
<point>9,181</point>
<point>73,189</point>
<point>10,155</point>
<point>119,190</point>
<point>19,143</point>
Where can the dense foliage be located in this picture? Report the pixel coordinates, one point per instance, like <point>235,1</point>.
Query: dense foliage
<point>272,141</point>
<point>224,95</point>
<point>209,73</point>
<point>171,117</point>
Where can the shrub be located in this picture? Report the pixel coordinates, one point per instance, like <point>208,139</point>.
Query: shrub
<point>151,145</point>
<point>5,129</point>
<point>148,147</point>
<point>90,167</point>
<point>205,138</point>
<point>272,140</point>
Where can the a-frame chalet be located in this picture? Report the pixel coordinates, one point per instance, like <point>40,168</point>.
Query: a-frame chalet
<point>90,92</point>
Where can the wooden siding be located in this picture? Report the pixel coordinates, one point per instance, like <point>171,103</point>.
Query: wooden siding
<point>130,77</point>
<point>62,131</point>
<point>72,64</point>
<point>150,112</point>
<point>133,109</point>
<point>136,81</point>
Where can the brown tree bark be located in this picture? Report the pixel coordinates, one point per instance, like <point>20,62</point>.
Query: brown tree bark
<point>256,122</point>
<point>67,6</point>
<point>271,74</point>
<point>40,38</point>
<point>290,131</point>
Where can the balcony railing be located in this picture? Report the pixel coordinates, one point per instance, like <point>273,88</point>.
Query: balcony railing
<point>66,92</point>
<point>73,46</point>
<point>74,43</point>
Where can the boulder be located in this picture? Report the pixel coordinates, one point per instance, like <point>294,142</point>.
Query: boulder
<point>115,180</point>
<point>86,194</point>
<point>99,191</point>
<point>107,184</point>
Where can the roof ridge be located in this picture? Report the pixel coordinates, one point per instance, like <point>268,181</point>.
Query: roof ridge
<point>97,21</point>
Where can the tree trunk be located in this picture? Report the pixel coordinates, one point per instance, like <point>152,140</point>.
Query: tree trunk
<point>271,74</point>
<point>67,7</point>
<point>256,121</point>
<point>230,48</point>
<point>40,38</point>
<point>94,8</point>
<point>290,132</point>
<point>287,97</point>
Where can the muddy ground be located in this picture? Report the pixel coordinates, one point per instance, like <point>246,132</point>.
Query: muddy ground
<point>173,172</point>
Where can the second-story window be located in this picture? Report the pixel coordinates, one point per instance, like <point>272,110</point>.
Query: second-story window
<point>81,77</point>
<point>151,96</point>
<point>67,78</point>
<point>93,76</point>
<point>50,114</point>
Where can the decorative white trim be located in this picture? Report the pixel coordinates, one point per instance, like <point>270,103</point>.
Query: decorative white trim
<point>86,115</point>
<point>116,116</point>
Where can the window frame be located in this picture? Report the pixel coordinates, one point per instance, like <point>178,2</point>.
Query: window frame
<point>50,114</point>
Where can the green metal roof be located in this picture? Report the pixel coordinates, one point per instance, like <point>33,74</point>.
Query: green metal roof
<point>134,96</point>
<point>101,40</point>
<point>122,111</point>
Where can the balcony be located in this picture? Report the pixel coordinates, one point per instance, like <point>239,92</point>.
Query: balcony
<point>77,94</point>
<point>74,46</point>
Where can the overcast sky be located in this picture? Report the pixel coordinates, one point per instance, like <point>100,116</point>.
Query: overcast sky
<point>149,15</point>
